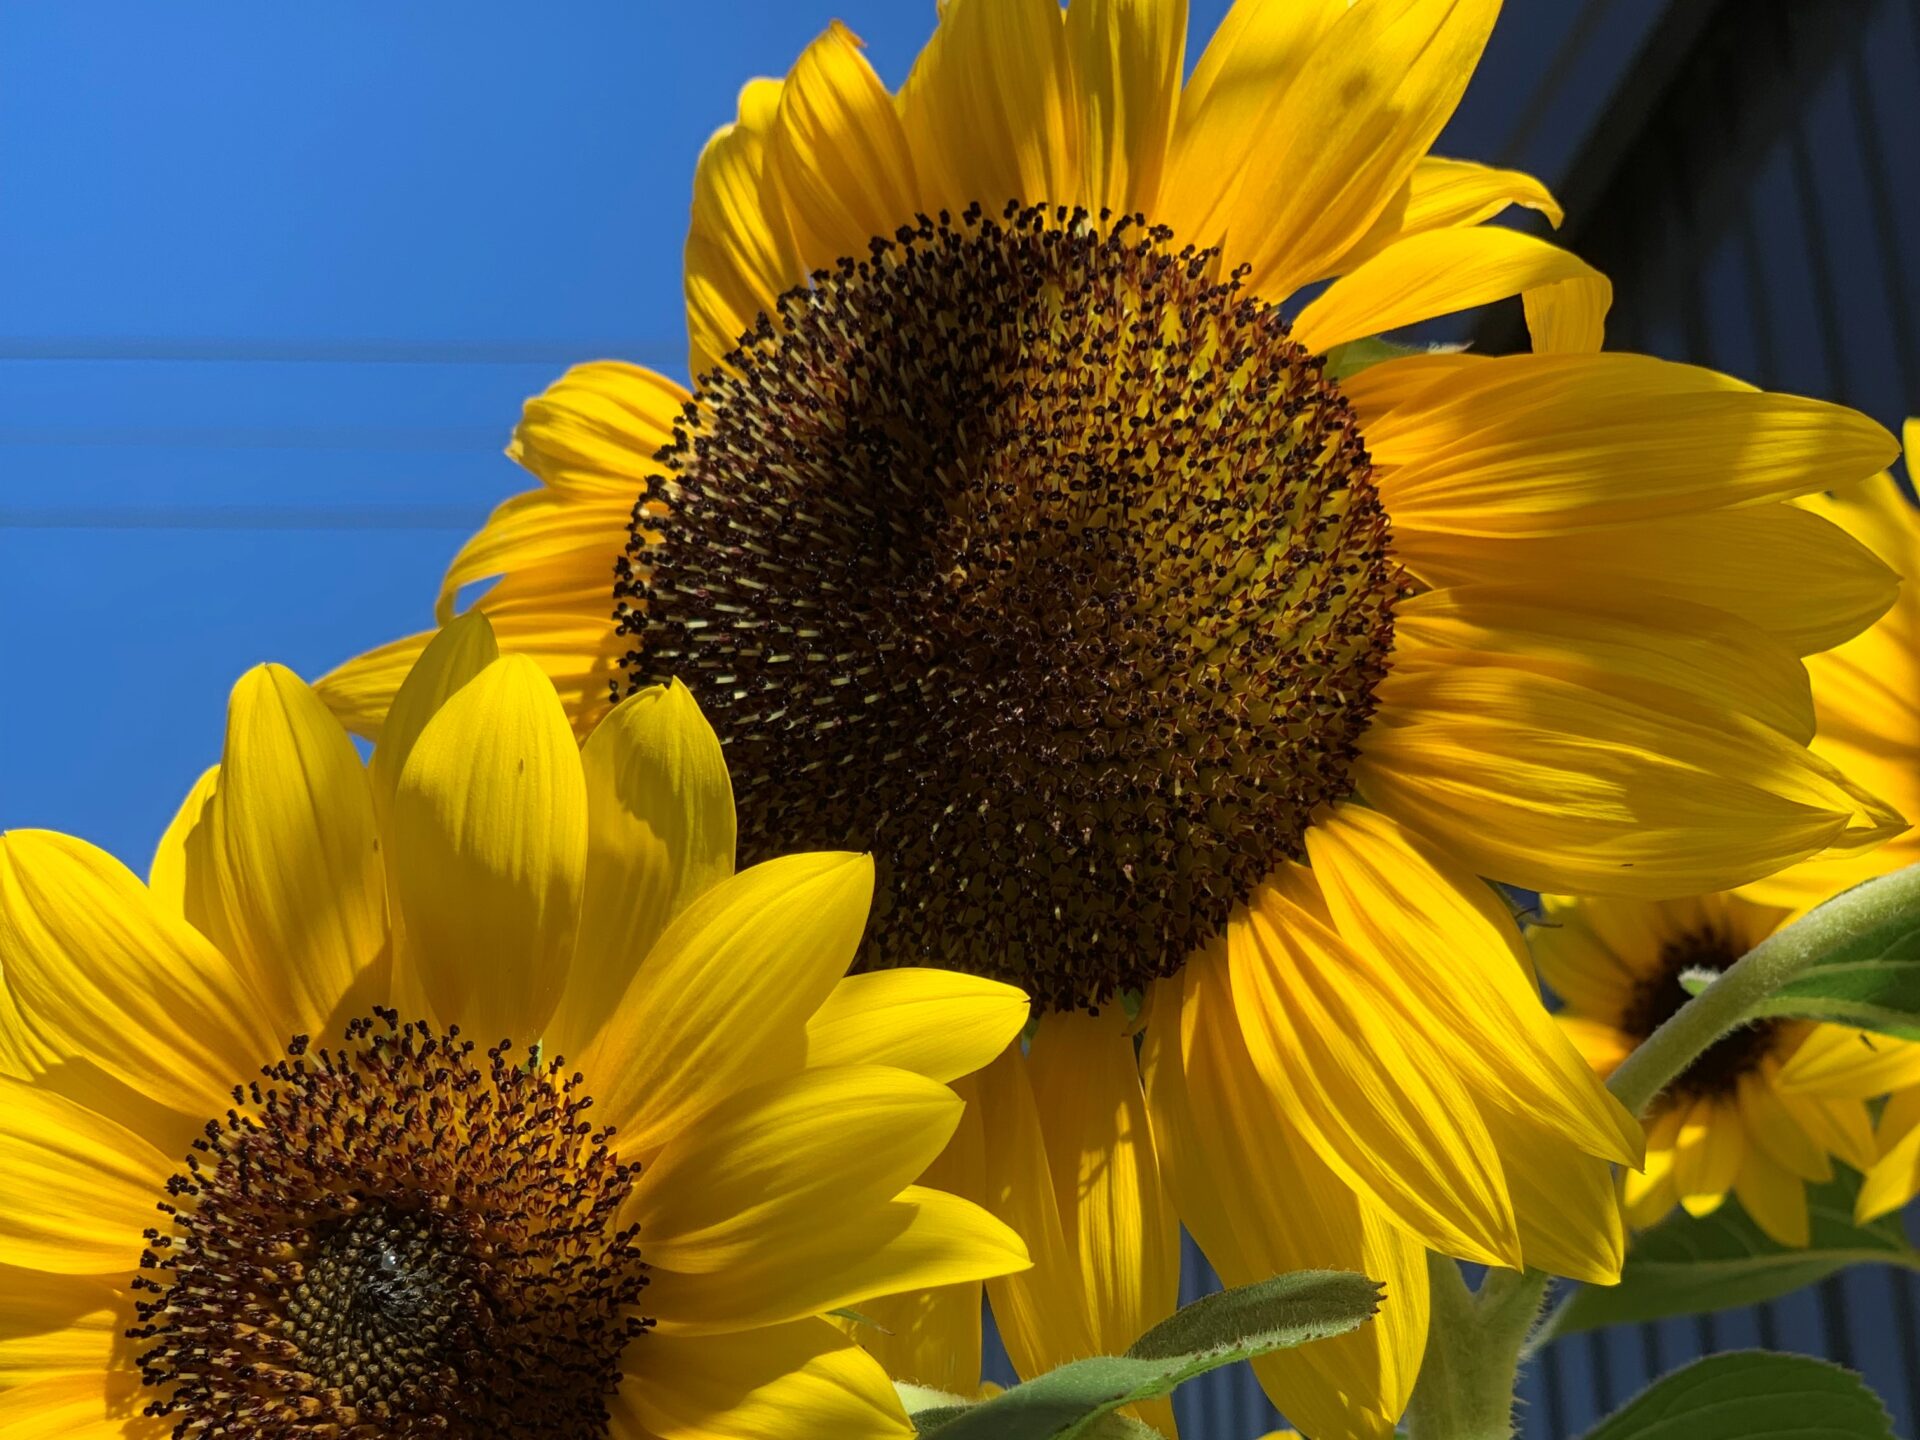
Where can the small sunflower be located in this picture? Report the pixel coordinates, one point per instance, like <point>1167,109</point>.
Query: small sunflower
<point>1030,527</point>
<point>1867,695</point>
<point>1765,1108</point>
<point>275,1169</point>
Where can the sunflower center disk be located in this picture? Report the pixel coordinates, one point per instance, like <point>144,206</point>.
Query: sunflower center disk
<point>1718,1069</point>
<point>400,1239</point>
<point>1035,557</point>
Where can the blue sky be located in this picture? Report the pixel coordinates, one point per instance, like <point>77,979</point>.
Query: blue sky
<point>278,278</point>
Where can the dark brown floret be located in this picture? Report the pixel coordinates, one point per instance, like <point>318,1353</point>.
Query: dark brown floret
<point>1718,1069</point>
<point>401,1239</point>
<point>1037,558</point>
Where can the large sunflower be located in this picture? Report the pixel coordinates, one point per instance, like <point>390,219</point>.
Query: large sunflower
<point>275,1171</point>
<point>1013,533</point>
<point>1765,1108</point>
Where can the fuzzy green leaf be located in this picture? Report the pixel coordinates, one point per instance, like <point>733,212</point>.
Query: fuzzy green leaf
<point>1749,1395</point>
<point>1276,1314</point>
<point>1872,980</point>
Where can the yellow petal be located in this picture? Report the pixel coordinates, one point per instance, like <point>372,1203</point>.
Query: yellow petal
<point>1558,786</point>
<point>1438,272</point>
<point>1569,317</point>
<point>82,1189</point>
<point>1841,1062</point>
<point>1774,1131</point>
<point>593,433</point>
<point>723,998</point>
<point>660,832</point>
<point>773,1164</point>
<point>556,613</point>
<point>180,862</point>
<point>1891,1181</point>
<point>740,253</point>
<point>1732,560</point>
<point>1899,1116</point>
<point>775,1383</point>
<point>1653,1204</point>
<point>933,1337</point>
<point>1840,1127</point>
<point>488,852</point>
<point>1564,1201</point>
<point>98,1405</point>
<point>1252,60</point>
<point>1308,173</point>
<point>1599,1044</point>
<point>1548,444</point>
<point>535,527</point>
<point>921,1239</point>
<point>1328,1032</point>
<point>837,156</point>
<point>990,107</point>
<point>1646,647</point>
<point>58,1324</point>
<point>1454,949</point>
<point>1774,1197</point>
<point>937,1023</point>
<point>99,971</point>
<point>1265,1206</point>
<point>1582,966</point>
<point>1106,1176</point>
<point>1127,56</point>
<point>296,891</point>
<point>1041,1312</point>
<point>1443,193</point>
<point>451,658</point>
<point>1707,1152</point>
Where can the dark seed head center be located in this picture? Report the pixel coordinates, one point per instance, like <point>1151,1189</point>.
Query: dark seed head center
<point>1718,1069</point>
<point>1036,557</point>
<point>404,1238</point>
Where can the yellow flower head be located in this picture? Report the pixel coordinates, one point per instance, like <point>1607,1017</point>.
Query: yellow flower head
<point>1764,1109</point>
<point>1867,693</point>
<point>1028,527</point>
<point>468,1095</point>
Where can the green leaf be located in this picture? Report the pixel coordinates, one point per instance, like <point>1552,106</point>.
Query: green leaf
<point>1076,1399</point>
<point>1748,1395</point>
<point>1872,978</point>
<point>1684,1266</point>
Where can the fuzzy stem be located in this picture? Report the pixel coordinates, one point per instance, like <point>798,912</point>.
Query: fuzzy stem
<point>1473,1353</point>
<point>1737,994</point>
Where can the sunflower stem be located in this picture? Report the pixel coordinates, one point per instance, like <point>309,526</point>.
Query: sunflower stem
<point>1467,1378</point>
<point>1736,996</point>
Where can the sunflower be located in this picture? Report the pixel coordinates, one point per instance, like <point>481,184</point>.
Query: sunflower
<point>1765,1108</point>
<point>1034,524</point>
<point>1867,696</point>
<point>275,1169</point>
